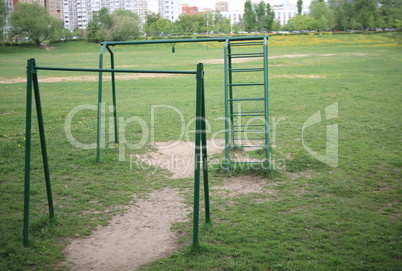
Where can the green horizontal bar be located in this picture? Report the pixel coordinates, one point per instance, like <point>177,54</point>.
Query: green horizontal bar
<point>248,112</point>
<point>243,146</point>
<point>248,99</point>
<point>248,70</point>
<point>246,55</point>
<point>246,115</point>
<point>113,70</point>
<point>247,131</point>
<point>243,85</point>
<point>249,125</point>
<point>112,43</point>
<point>258,138</point>
<point>246,43</point>
<point>250,162</point>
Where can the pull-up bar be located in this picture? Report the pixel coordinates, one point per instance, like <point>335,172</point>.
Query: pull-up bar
<point>200,140</point>
<point>112,43</point>
<point>106,45</point>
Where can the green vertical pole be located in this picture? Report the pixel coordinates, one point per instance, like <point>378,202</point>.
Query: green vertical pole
<point>230,76</point>
<point>116,134</point>
<point>266,102</point>
<point>197,164</point>
<point>204,149</point>
<point>43,141</point>
<point>99,126</point>
<point>28,126</point>
<point>227,120</point>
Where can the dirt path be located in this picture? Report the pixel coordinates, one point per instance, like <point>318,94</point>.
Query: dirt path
<point>143,234</point>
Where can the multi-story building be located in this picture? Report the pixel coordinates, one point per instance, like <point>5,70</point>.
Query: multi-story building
<point>186,9</point>
<point>222,6</point>
<point>55,8</point>
<point>170,9</point>
<point>79,12</point>
<point>234,16</point>
<point>284,12</point>
<point>40,2</point>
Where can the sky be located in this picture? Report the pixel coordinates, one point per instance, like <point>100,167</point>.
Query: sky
<point>233,4</point>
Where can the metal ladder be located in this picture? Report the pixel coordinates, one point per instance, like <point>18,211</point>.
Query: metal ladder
<point>246,102</point>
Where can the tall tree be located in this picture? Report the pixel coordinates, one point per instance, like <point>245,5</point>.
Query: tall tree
<point>390,12</point>
<point>3,17</point>
<point>270,17</point>
<point>33,21</point>
<point>299,7</point>
<point>319,8</point>
<point>125,25</point>
<point>120,25</point>
<point>260,15</point>
<point>367,14</point>
<point>249,16</point>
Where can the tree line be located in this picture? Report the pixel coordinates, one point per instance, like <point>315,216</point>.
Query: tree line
<point>349,15</point>
<point>32,21</point>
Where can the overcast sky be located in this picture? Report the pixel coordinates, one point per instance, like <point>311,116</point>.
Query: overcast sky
<point>234,4</point>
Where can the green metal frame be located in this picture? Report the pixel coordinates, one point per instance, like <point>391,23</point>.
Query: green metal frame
<point>106,46</point>
<point>229,98</point>
<point>200,138</point>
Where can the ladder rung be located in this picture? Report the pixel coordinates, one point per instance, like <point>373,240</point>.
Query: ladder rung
<point>246,55</point>
<point>248,70</point>
<point>247,146</point>
<point>247,43</point>
<point>249,138</point>
<point>248,112</point>
<point>248,131</point>
<point>247,84</point>
<point>254,125</point>
<point>247,99</point>
<point>250,162</point>
<point>246,115</point>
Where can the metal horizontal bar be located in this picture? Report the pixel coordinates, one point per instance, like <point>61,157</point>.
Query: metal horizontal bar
<point>112,70</point>
<point>247,112</point>
<point>245,115</point>
<point>246,43</point>
<point>254,125</point>
<point>250,162</point>
<point>247,84</point>
<point>244,146</point>
<point>112,43</point>
<point>248,99</point>
<point>247,70</point>
<point>247,131</point>
<point>246,55</point>
<point>259,138</point>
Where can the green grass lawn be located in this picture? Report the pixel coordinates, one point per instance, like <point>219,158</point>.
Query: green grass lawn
<point>316,218</point>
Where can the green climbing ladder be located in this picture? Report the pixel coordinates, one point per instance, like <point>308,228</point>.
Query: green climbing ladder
<point>246,102</point>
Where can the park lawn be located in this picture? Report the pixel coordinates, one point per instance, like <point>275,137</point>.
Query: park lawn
<point>315,218</point>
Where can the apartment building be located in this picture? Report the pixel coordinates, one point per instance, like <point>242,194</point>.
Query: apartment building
<point>222,6</point>
<point>284,12</point>
<point>79,12</point>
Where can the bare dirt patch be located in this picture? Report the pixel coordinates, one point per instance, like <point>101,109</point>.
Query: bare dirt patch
<point>87,78</point>
<point>236,185</point>
<point>141,235</point>
<point>178,156</point>
<point>47,47</point>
